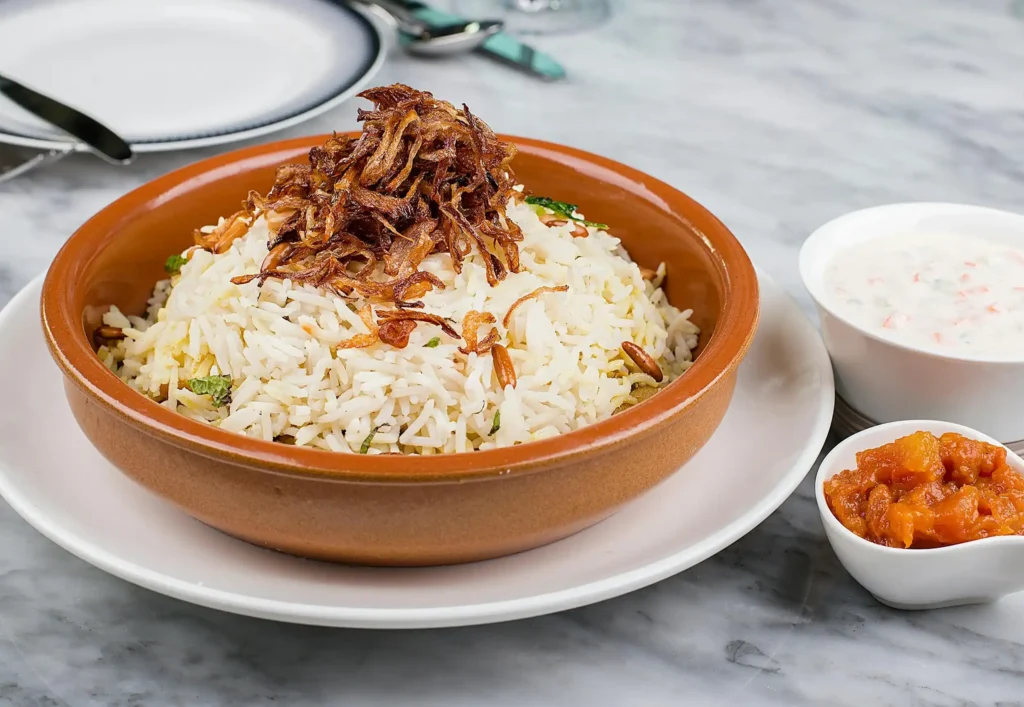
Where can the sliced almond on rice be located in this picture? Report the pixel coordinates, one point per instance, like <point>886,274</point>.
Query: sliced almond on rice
<point>643,361</point>
<point>580,231</point>
<point>503,367</point>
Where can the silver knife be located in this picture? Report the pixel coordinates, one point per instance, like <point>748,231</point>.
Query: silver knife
<point>99,138</point>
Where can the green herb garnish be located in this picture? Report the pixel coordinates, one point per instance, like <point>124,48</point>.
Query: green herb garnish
<point>217,387</point>
<point>173,264</point>
<point>496,425</point>
<point>365,446</point>
<point>432,344</point>
<point>563,209</point>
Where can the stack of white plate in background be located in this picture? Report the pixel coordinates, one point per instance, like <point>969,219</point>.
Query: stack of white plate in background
<point>846,421</point>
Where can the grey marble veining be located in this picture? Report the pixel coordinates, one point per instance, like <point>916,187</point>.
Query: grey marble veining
<point>776,114</point>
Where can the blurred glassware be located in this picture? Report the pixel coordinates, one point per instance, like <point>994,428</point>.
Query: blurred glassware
<point>538,16</point>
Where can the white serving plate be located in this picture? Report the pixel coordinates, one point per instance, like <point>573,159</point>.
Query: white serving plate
<point>769,439</point>
<point>187,73</point>
<point>887,381</point>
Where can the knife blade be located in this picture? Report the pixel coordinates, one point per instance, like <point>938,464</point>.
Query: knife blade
<point>501,47</point>
<point>101,139</point>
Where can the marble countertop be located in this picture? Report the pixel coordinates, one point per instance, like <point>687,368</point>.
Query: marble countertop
<point>776,114</point>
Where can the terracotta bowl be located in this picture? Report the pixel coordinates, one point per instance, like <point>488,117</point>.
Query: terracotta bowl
<point>393,510</point>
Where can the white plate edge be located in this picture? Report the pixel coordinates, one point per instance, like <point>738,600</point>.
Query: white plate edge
<point>466,615</point>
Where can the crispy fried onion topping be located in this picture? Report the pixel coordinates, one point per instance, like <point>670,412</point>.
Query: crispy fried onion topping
<point>220,238</point>
<point>362,341</point>
<point>423,177</point>
<point>393,327</point>
<point>536,293</point>
<point>471,324</point>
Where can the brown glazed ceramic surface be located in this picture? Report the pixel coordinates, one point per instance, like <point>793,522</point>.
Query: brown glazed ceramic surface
<point>393,510</point>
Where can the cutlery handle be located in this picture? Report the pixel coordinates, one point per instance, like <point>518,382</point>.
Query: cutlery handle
<point>405,5</point>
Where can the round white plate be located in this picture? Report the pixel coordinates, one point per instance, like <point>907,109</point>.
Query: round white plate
<point>187,73</point>
<point>769,439</point>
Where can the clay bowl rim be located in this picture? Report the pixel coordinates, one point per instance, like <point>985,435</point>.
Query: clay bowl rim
<point>76,358</point>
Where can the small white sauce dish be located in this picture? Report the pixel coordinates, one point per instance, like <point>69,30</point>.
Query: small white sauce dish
<point>886,381</point>
<point>969,573</point>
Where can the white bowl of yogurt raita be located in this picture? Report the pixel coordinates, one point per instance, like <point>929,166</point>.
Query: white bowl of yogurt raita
<point>922,312</point>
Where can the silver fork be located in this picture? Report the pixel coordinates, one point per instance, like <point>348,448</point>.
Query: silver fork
<point>15,160</point>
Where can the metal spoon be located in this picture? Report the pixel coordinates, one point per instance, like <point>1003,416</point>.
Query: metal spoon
<point>418,37</point>
<point>456,38</point>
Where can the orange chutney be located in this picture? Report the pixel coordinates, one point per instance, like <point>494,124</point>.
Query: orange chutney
<point>925,491</point>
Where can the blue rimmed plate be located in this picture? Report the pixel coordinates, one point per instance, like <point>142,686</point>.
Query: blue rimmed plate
<point>191,73</point>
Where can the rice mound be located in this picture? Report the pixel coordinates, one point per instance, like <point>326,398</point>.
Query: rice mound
<point>277,342</point>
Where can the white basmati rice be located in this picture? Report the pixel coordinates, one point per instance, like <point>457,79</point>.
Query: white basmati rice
<point>277,342</point>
